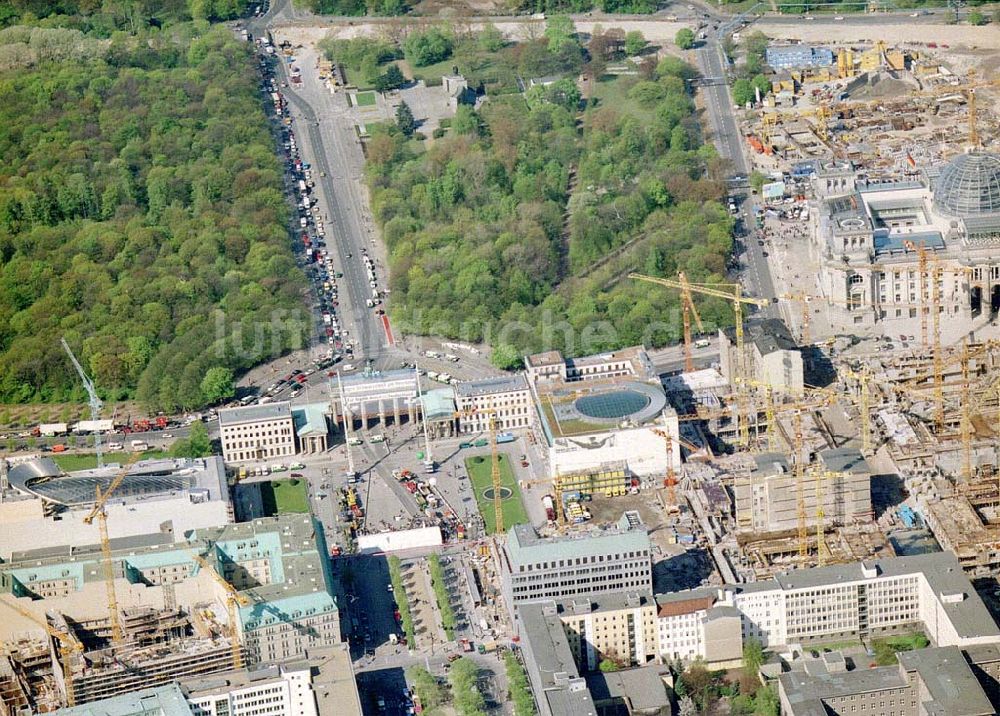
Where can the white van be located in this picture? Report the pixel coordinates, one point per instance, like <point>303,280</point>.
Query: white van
<point>702,343</point>
<point>377,439</point>
<point>354,441</point>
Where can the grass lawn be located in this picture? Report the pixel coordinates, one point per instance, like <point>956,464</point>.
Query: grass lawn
<point>69,463</point>
<point>364,99</point>
<point>284,496</point>
<point>885,649</point>
<point>480,473</point>
<point>612,91</point>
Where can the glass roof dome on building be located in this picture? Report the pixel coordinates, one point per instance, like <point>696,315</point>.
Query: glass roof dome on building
<point>969,185</point>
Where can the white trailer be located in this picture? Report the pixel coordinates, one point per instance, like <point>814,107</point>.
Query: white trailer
<point>94,426</point>
<point>50,430</point>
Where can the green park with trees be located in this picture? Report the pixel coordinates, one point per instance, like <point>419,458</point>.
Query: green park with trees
<point>141,206</point>
<point>516,226</point>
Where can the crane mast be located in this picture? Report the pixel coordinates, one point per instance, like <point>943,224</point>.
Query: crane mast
<point>94,401</point>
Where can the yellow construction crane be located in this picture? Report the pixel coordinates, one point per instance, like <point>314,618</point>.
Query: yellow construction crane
<point>863,376</point>
<point>688,310</point>
<point>107,564</point>
<point>670,481</point>
<point>69,647</point>
<point>798,465</point>
<point>234,600</point>
<point>733,293</point>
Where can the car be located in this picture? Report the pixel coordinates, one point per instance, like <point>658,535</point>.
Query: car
<point>839,18</point>
<point>524,463</point>
<point>764,254</point>
<point>914,14</point>
<point>389,588</point>
<point>167,436</point>
<point>296,474</point>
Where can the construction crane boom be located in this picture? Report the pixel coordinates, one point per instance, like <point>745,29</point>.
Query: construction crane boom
<point>670,481</point>
<point>107,563</point>
<point>234,600</point>
<point>494,461</point>
<point>69,647</point>
<point>731,292</point>
<point>689,309</point>
<point>92,398</point>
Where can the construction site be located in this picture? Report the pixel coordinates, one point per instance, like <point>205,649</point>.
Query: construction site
<point>83,623</point>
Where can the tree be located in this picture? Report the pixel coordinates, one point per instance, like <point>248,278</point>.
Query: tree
<point>757,181</point>
<point>505,357</point>
<point>684,38</point>
<point>607,666</point>
<point>742,92</point>
<point>427,47</point>
<point>196,444</point>
<point>560,32</point>
<point>391,79</point>
<point>404,119</point>
<point>490,39</point>
<point>977,18</point>
<point>217,385</point>
<point>687,707</point>
<point>634,43</point>
<point>766,702</point>
<point>761,84</point>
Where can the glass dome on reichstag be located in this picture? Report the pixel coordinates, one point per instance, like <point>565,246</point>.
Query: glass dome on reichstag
<point>969,185</point>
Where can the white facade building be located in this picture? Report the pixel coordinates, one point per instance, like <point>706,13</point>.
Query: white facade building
<point>275,691</point>
<point>257,432</point>
<point>505,399</point>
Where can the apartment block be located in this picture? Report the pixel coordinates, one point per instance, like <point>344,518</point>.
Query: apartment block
<point>697,625</point>
<point>505,399</point>
<point>618,627</point>
<point>257,432</point>
<point>615,560</point>
<point>767,495</point>
<point>774,357</point>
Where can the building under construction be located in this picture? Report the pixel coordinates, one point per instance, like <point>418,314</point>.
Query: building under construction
<point>254,592</point>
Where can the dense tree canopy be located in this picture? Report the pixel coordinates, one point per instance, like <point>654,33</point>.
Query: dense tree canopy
<point>491,237</point>
<point>141,216</point>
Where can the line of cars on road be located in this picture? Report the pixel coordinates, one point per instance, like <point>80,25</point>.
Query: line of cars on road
<point>311,232</point>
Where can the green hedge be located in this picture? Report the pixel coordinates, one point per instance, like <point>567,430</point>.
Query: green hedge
<point>402,602</point>
<point>464,694</point>
<point>441,595</point>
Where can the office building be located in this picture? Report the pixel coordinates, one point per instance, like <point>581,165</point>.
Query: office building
<point>927,592</point>
<point>767,495</point>
<point>257,432</point>
<point>505,400</point>
<point>603,410</point>
<point>45,507</point>
<point>597,562</point>
<point>773,358</point>
<point>270,691</point>
<point>632,362</point>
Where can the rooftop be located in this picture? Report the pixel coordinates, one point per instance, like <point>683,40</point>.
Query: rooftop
<point>255,413</point>
<point>525,547</point>
<point>439,404</point>
<point>491,386</point>
<point>969,185</point>
<point>950,687</point>
<point>42,478</point>
<point>159,701</point>
<point>298,564</point>
<point>310,419</point>
<point>845,459</point>
<point>554,668</point>
<point>771,463</point>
